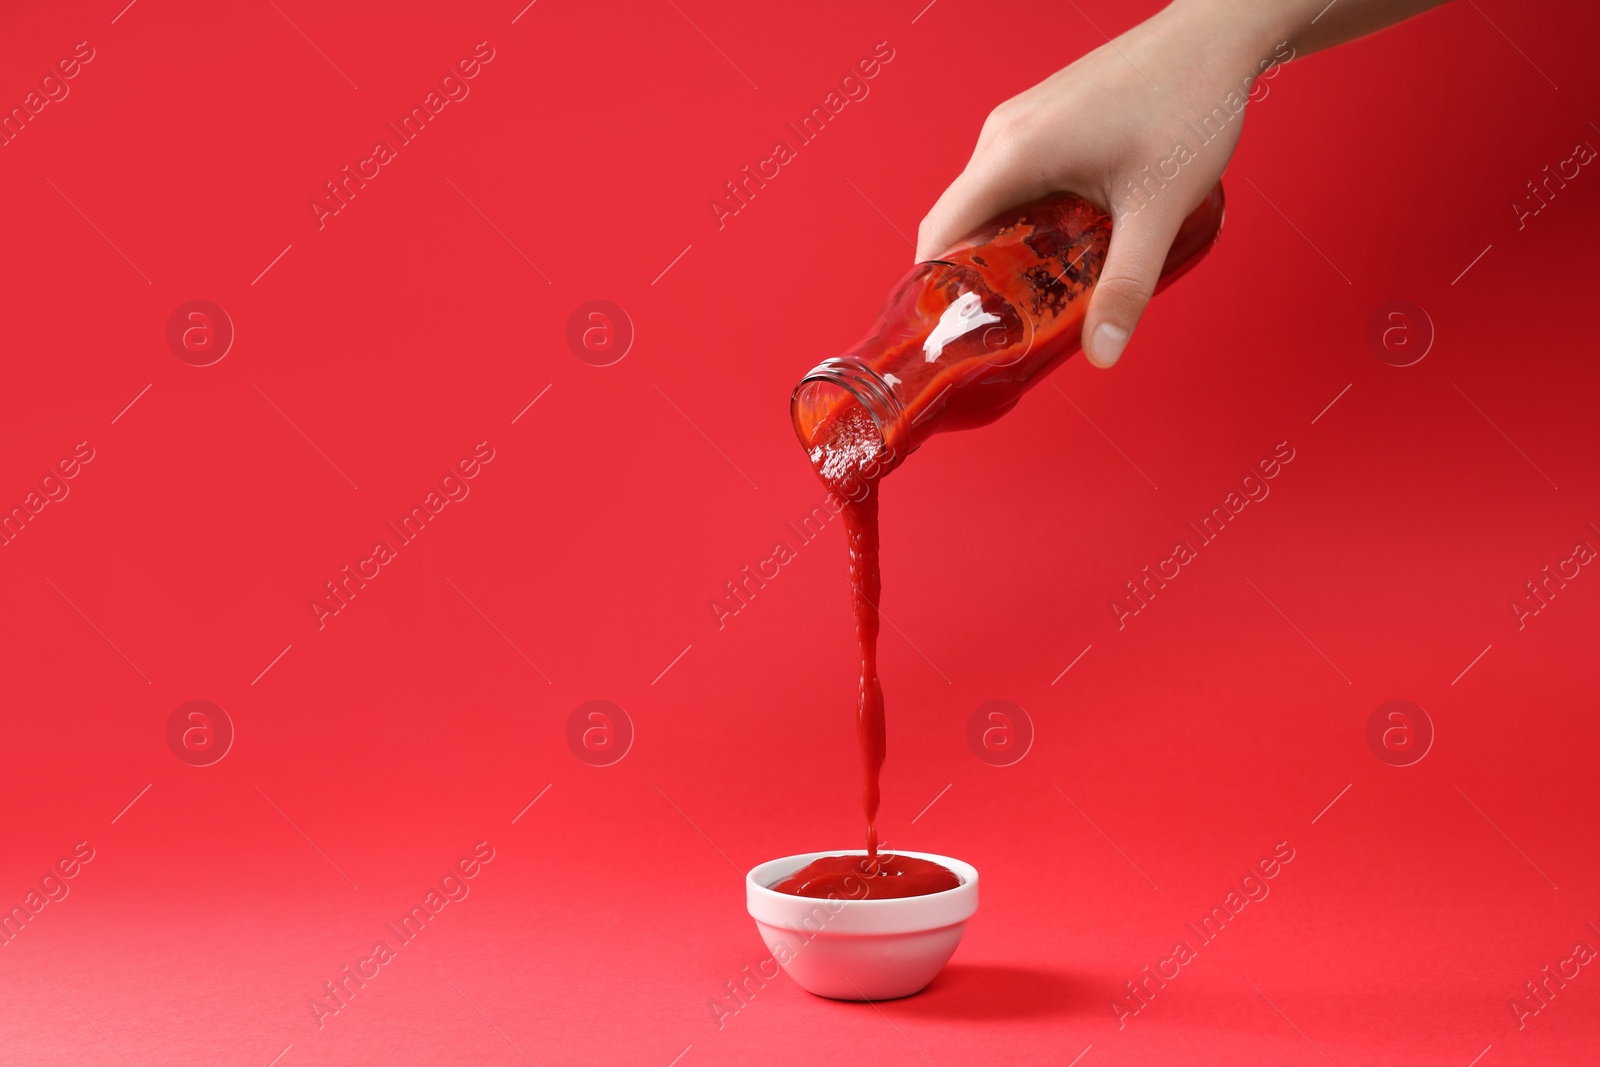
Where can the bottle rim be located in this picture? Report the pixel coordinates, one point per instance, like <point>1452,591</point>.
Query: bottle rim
<point>863,384</point>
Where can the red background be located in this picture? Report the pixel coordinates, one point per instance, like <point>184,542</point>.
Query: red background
<point>408,329</point>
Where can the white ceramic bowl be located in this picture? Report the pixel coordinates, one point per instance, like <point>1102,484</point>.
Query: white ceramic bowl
<point>860,949</point>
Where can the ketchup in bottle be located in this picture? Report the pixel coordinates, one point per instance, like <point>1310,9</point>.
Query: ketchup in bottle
<point>959,341</point>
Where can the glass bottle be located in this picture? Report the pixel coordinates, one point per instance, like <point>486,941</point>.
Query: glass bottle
<point>962,337</point>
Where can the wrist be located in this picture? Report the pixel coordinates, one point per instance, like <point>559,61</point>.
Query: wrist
<point>1234,33</point>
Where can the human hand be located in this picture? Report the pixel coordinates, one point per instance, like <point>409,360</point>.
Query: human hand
<point>1122,127</point>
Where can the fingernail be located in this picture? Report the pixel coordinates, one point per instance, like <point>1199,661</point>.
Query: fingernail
<point>1109,341</point>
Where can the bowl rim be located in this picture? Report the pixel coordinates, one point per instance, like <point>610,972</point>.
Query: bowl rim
<point>961,868</point>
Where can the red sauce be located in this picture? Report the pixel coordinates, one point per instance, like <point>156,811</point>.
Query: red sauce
<point>861,531</point>
<point>862,878</point>
<point>849,458</point>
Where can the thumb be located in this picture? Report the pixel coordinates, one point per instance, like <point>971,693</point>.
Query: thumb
<point>1139,244</point>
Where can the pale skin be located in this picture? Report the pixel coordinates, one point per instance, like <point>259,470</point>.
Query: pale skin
<point>1095,126</point>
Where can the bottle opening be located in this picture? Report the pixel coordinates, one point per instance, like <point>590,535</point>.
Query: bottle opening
<point>845,415</point>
